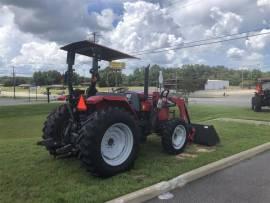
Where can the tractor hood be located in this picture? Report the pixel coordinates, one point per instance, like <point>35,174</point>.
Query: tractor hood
<point>99,98</point>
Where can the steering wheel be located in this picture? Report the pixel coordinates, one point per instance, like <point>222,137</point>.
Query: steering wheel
<point>120,90</point>
<point>164,93</point>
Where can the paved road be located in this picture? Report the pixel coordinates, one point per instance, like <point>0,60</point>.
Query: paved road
<point>232,100</point>
<point>248,181</point>
<point>9,101</point>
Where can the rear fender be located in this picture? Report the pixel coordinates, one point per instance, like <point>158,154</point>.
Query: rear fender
<point>102,102</point>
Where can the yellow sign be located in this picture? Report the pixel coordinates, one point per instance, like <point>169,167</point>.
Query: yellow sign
<point>117,65</point>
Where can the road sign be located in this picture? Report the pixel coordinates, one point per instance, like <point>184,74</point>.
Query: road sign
<point>116,65</point>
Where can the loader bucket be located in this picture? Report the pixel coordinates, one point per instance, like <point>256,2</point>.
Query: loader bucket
<point>205,135</point>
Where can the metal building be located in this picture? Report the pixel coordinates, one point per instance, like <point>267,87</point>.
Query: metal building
<point>216,84</point>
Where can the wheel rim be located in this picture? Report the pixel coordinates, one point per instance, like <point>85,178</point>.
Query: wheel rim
<point>179,137</point>
<point>117,144</point>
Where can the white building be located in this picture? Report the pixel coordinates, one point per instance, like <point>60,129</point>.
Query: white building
<point>216,84</point>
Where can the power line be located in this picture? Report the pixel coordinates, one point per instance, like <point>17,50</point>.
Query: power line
<point>201,40</point>
<point>202,44</point>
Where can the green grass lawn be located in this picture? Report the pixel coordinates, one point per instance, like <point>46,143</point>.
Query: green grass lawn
<point>207,112</point>
<point>29,174</point>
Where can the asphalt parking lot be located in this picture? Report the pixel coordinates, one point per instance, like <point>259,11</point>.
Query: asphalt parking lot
<point>231,100</point>
<point>10,101</point>
<point>242,99</point>
<point>248,181</point>
<point>18,101</point>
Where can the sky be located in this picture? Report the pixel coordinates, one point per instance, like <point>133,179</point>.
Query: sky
<point>31,32</point>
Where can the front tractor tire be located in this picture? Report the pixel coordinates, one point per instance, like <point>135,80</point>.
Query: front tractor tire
<point>54,128</point>
<point>110,141</point>
<point>174,136</point>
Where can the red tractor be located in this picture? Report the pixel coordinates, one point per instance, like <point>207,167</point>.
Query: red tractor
<point>262,95</point>
<point>105,129</point>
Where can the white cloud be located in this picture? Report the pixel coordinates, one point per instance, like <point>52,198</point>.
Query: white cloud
<point>146,26</point>
<point>11,39</point>
<point>106,18</point>
<point>225,23</point>
<point>263,2</point>
<point>40,53</point>
<point>29,34</point>
<point>47,55</point>
<point>61,20</point>
<point>235,53</point>
<point>258,42</point>
<point>25,51</point>
<point>254,57</point>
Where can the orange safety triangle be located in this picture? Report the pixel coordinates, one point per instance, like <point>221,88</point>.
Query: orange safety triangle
<point>81,106</point>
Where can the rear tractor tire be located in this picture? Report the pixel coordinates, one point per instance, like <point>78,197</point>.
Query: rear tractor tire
<point>54,128</point>
<point>174,136</point>
<point>110,141</point>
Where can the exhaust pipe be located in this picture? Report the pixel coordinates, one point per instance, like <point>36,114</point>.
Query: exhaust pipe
<point>146,80</point>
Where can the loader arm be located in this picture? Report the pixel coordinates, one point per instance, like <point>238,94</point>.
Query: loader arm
<point>183,112</point>
<point>198,133</point>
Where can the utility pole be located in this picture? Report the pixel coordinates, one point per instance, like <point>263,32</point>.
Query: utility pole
<point>14,82</point>
<point>94,35</point>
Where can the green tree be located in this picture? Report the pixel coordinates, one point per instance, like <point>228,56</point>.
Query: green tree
<point>47,77</point>
<point>108,78</point>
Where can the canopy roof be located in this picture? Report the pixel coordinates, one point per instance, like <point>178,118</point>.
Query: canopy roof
<point>91,49</point>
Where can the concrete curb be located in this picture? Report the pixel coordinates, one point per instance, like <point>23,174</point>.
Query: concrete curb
<point>179,181</point>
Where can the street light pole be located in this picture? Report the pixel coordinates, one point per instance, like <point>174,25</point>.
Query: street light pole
<point>242,79</point>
